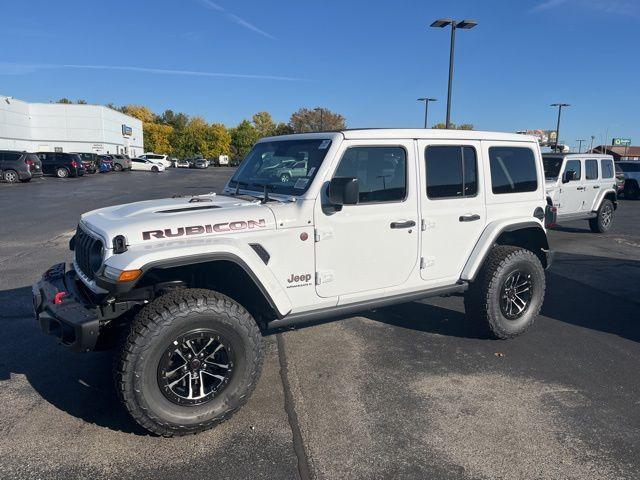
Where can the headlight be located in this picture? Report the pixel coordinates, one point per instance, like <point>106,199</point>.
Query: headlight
<point>96,255</point>
<point>112,273</point>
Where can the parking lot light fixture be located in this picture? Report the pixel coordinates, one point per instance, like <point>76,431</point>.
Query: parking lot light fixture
<point>559,105</point>
<point>426,101</point>
<point>465,25</point>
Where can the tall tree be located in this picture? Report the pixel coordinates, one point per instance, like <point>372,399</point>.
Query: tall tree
<point>64,100</point>
<point>242,139</point>
<point>283,129</point>
<point>316,120</point>
<point>177,120</point>
<point>264,124</point>
<point>219,140</point>
<point>140,112</point>
<point>157,137</point>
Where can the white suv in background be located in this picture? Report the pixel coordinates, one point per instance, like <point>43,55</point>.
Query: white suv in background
<point>582,187</point>
<point>157,158</point>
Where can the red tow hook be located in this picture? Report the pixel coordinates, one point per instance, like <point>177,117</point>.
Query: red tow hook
<point>57,300</point>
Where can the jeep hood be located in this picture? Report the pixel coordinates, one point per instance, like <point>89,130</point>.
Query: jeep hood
<point>171,218</point>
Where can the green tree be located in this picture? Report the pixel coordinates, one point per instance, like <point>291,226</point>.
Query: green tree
<point>463,126</point>
<point>219,140</point>
<point>242,139</point>
<point>316,120</point>
<point>64,100</point>
<point>283,129</point>
<point>177,120</point>
<point>264,124</point>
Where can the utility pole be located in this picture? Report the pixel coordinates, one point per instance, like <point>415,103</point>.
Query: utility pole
<point>592,139</point>
<point>580,140</point>
<point>559,105</point>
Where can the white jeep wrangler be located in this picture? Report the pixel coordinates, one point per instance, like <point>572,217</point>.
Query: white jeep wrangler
<point>185,287</point>
<point>582,186</point>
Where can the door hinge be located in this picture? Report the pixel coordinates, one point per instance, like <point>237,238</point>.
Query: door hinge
<point>324,276</point>
<point>427,224</point>
<point>426,262</point>
<point>322,234</point>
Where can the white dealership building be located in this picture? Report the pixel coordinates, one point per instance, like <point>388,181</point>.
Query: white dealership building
<point>49,127</point>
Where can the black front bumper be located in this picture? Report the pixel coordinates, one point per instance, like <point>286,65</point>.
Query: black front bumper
<point>72,318</point>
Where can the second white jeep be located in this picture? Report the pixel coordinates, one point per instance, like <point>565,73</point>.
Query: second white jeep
<point>582,186</point>
<point>185,287</point>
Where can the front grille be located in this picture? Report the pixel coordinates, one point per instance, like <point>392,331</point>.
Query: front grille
<point>84,245</point>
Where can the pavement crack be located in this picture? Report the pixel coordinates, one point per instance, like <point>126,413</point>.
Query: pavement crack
<point>304,468</point>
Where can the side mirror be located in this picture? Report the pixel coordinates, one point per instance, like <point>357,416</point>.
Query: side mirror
<point>569,176</point>
<point>343,191</point>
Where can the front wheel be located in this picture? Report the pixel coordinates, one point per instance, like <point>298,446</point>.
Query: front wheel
<point>62,172</point>
<point>117,167</point>
<point>155,169</point>
<point>602,223</point>
<point>508,292</point>
<point>191,359</point>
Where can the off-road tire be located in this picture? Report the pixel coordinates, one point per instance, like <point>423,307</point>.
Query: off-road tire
<point>117,167</point>
<point>151,332</point>
<point>62,172</point>
<point>601,224</point>
<point>482,300</point>
<point>10,176</point>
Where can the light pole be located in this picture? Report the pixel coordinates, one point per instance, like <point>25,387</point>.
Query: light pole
<point>580,140</point>
<point>465,25</point>
<point>426,101</point>
<point>559,105</point>
<point>592,139</point>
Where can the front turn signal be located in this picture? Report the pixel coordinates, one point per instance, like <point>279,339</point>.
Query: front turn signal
<point>129,275</point>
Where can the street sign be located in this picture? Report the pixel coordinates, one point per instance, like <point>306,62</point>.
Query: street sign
<point>621,142</point>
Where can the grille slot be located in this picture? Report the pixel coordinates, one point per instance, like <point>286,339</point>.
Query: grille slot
<point>84,244</point>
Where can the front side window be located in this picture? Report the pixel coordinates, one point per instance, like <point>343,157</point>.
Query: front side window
<point>381,172</point>
<point>284,166</point>
<point>513,170</point>
<point>451,171</point>
<point>576,167</point>
<point>591,169</point>
<point>606,166</point>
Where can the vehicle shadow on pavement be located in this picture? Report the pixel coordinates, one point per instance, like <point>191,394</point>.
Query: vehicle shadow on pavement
<point>78,384</point>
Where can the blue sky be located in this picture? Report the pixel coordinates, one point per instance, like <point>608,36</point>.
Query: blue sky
<point>226,60</point>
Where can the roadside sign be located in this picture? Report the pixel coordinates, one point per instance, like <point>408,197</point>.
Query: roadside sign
<point>621,142</point>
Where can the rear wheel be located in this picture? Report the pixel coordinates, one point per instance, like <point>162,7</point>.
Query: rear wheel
<point>191,359</point>
<point>117,167</point>
<point>155,169</point>
<point>508,292</point>
<point>10,176</point>
<point>62,172</point>
<point>602,223</point>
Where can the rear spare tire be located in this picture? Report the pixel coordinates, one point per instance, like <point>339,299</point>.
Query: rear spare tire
<point>191,359</point>
<point>508,291</point>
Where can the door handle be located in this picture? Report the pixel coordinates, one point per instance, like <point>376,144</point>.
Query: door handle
<point>596,186</point>
<point>469,218</point>
<point>403,224</point>
<point>581,188</point>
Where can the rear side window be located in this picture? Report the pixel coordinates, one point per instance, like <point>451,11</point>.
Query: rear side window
<point>591,169</point>
<point>574,166</point>
<point>630,167</point>
<point>11,156</point>
<point>513,170</point>
<point>606,166</point>
<point>381,172</point>
<point>451,171</point>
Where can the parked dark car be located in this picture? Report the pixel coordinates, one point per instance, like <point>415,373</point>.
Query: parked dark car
<point>106,163</point>
<point>19,166</point>
<point>619,180</point>
<point>89,161</point>
<point>121,162</point>
<point>61,165</point>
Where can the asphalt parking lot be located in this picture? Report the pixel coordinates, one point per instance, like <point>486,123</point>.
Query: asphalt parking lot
<point>411,391</point>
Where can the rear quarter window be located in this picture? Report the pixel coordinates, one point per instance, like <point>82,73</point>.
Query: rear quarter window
<point>513,170</point>
<point>607,168</point>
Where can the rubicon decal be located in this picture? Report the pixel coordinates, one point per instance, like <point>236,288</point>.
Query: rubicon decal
<point>202,229</point>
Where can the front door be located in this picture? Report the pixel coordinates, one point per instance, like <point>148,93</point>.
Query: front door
<point>372,245</point>
<point>453,206</point>
<point>571,194</point>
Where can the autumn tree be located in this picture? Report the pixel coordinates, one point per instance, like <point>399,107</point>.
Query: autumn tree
<point>219,140</point>
<point>140,112</point>
<point>242,139</point>
<point>316,120</point>
<point>283,129</point>
<point>157,137</point>
<point>264,124</point>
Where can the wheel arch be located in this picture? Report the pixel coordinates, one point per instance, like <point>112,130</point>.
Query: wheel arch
<point>528,234</point>
<point>608,194</point>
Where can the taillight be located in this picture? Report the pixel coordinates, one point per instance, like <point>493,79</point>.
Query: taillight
<point>74,164</point>
<point>29,162</point>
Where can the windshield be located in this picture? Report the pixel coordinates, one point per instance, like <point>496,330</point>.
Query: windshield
<point>286,166</point>
<point>552,167</point>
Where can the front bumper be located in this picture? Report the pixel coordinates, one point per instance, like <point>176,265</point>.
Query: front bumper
<point>65,310</point>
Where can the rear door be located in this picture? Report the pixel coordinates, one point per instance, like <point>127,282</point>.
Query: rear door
<point>591,183</point>
<point>452,200</point>
<point>372,245</point>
